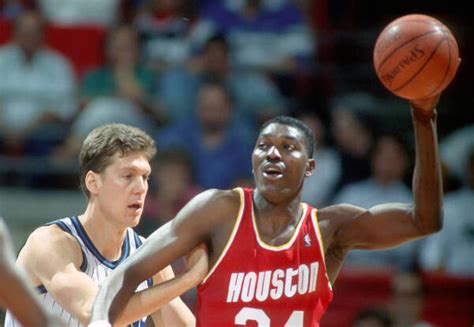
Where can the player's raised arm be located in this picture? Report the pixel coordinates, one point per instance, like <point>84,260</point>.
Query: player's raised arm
<point>391,224</point>
<point>192,226</point>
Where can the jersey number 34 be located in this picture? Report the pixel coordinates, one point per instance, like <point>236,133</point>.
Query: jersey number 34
<point>261,318</point>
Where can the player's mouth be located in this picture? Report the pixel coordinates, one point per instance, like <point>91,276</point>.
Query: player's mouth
<point>273,172</point>
<point>136,206</point>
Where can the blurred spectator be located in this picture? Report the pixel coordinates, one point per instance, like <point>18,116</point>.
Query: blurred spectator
<point>408,300</point>
<point>319,187</point>
<point>270,35</point>
<point>255,97</point>
<point>11,9</point>
<point>389,166</point>
<point>37,90</point>
<point>373,317</point>
<point>170,31</point>
<point>121,91</point>
<point>351,127</point>
<point>219,153</point>
<point>76,12</point>
<point>451,250</point>
<point>172,186</point>
<point>454,150</point>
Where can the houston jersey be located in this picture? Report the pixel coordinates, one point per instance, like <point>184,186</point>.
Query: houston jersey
<point>93,264</point>
<point>256,284</point>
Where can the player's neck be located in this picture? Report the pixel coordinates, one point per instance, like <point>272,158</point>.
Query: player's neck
<point>107,237</point>
<point>278,216</point>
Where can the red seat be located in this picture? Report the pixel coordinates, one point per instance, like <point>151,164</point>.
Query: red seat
<point>449,301</point>
<point>82,44</point>
<point>355,290</point>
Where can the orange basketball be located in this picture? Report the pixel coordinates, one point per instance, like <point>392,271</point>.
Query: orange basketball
<point>416,56</point>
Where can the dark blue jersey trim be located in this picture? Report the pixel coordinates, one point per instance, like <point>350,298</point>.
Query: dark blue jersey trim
<point>61,224</point>
<point>41,289</point>
<point>87,241</point>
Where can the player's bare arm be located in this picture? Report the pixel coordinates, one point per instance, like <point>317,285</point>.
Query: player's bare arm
<point>16,293</point>
<point>346,227</point>
<point>203,220</point>
<point>52,258</point>
<point>173,311</point>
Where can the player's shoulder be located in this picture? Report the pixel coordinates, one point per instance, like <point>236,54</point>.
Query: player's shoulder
<point>49,239</point>
<point>217,198</point>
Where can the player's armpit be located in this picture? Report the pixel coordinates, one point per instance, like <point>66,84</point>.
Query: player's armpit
<point>52,258</point>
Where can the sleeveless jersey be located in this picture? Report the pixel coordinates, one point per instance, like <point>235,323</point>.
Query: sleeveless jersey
<point>256,284</point>
<point>93,264</point>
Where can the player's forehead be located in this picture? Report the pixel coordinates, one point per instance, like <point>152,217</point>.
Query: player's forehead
<point>136,161</point>
<point>278,130</point>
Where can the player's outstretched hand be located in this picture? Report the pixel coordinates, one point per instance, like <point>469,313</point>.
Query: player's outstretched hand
<point>197,261</point>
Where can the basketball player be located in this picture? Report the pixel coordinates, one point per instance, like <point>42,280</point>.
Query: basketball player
<point>16,294</point>
<point>273,259</point>
<point>68,259</point>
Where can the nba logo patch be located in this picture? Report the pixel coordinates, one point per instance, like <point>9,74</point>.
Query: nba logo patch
<point>307,240</point>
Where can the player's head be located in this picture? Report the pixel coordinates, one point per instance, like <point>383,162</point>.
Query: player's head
<point>299,125</point>
<point>282,158</point>
<point>105,143</point>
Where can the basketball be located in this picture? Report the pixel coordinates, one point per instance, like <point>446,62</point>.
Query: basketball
<point>416,56</point>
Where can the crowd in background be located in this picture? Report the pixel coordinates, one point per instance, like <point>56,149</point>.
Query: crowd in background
<point>200,77</point>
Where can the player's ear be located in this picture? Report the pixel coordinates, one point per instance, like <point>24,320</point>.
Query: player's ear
<point>310,166</point>
<point>92,182</point>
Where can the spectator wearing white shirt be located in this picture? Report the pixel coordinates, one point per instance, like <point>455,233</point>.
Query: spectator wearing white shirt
<point>389,164</point>
<point>322,184</point>
<point>81,12</point>
<point>37,87</point>
<point>451,250</point>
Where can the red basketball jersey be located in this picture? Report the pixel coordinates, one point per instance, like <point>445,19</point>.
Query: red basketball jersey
<point>256,284</point>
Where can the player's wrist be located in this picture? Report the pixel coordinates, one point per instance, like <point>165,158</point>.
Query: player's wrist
<point>423,115</point>
<point>99,323</point>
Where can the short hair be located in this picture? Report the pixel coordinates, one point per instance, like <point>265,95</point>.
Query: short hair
<point>299,125</point>
<point>104,142</point>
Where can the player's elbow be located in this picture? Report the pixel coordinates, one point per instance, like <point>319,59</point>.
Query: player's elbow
<point>85,316</point>
<point>85,311</point>
<point>431,223</point>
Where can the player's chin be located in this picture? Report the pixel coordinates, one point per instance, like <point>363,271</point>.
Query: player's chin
<point>134,219</point>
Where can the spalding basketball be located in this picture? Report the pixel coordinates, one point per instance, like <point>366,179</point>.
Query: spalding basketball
<point>416,56</point>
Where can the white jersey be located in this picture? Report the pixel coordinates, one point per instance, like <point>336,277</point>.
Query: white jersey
<point>93,264</point>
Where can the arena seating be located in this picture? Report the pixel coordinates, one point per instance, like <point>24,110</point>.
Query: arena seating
<point>448,301</point>
<point>82,44</point>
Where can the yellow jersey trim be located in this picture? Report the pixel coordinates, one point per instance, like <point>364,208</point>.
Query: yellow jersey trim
<point>232,235</point>
<point>314,219</point>
<point>292,239</point>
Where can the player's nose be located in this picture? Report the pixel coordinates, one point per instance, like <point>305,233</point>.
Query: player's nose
<point>273,153</point>
<point>141,185</point>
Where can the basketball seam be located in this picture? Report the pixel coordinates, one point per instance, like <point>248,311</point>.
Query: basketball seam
<point>447,69</point>
<point>402,45</point>
<point>421,68</point>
